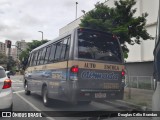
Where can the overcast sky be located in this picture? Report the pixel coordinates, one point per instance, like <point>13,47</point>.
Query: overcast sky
<point>22,19</point>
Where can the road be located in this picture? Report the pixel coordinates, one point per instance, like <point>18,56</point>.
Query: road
<point>33,102</point>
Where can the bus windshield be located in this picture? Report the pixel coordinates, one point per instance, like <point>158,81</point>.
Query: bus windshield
<point>98,46</point>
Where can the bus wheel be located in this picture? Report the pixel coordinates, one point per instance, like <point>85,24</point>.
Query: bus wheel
<point>45,97</point>
<point>27,92</point>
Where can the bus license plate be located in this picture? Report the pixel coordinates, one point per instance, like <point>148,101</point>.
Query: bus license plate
<point>100,95</point>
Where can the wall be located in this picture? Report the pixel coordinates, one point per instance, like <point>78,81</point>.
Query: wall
<point>70,26</point>
<point>140,68</point>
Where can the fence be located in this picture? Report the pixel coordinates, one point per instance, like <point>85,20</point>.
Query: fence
<point>141,82</point>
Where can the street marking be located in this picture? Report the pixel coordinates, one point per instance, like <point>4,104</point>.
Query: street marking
<point>34,107</point>
<point>17,82</point>
<point>19,91</point>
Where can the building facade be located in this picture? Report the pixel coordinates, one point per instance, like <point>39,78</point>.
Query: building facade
<point>20,46</point>
<point>14,53</point>
<point>141,55</point>
<point>2,48</point>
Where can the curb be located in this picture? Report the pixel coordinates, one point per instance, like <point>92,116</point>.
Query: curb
<point>128,105</point>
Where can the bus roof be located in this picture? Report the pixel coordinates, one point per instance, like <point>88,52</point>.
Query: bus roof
<point>65,34</point>
<point>50,42</point>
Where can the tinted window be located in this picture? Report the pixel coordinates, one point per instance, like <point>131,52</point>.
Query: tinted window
<point>47,54</point>
<point>98,46</point>
<point>34,59</point>
<point>31,59</point>
<point>42,56</point>
<point>52,53</point>
<point>39,56</point>
<point>58,51</point>
<point>2,73</point>
<point>67,49</point>
<point>64,49</point>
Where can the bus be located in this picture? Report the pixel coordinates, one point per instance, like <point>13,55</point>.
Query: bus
<point>81,66</point>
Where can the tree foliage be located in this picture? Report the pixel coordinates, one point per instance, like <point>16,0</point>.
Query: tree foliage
<point>3,59</point>
<point>7,61</point>
<point>119,20</point>
<point>31,45</point>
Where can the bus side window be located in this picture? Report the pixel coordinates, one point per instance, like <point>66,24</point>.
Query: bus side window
<point>35,58</point>
<point>47,54</point>
<point>42,56</point>
<point>33,54</point>
<point>30,61</point>
<point>52,53</point>
<point>39,55</point>
<point>64,48</point>
<point>67,48</point>
<point>58,51</point>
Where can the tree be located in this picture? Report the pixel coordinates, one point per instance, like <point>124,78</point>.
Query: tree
<point>11,63</point>
<point>7,62</point>
<point>120,21</point>
<point>31,45</point>
<point>3,59</point>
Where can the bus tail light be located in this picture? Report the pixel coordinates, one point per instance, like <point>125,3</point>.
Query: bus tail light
<point>74,69</point>
<point>7,84</point>
<point>123,76</point>
<point>73,72</point>
<point>123,73</point>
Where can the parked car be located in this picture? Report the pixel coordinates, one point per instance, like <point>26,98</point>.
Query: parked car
<point>6,101</point>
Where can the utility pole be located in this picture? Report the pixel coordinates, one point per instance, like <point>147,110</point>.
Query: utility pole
<point>76,9</point>
<point>9,43</point>
<point>8,60</point>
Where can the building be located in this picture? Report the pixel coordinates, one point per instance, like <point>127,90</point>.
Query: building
<point>14,53</point>
<point>20,46</point>
<point>2,48</point>
<point>140,60</point>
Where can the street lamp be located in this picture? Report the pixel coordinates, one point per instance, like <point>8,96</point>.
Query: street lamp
<point>83,11</point>
<point>42,34</point>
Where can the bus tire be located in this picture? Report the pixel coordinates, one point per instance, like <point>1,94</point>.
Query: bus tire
<point>27,92</point>
<point>45,96</point>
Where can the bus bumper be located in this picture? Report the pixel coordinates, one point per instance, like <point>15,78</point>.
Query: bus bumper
<point>89,95</point>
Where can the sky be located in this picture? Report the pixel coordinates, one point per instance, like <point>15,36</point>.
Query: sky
<point>22,19</point>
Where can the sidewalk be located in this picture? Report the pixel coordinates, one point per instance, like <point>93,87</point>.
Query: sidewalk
<point>140,97</point>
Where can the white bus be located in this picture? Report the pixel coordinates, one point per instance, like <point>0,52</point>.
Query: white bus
<point>81,66</point>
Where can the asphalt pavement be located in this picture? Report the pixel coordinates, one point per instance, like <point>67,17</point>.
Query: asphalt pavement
<point>33,102</point>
